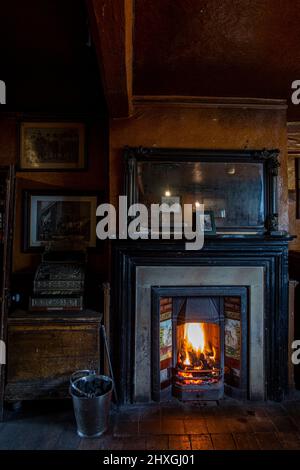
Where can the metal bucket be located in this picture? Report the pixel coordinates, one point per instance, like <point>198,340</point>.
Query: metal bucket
<point>91,394</point>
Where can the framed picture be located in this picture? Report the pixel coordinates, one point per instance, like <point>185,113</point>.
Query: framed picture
<point>51,218</point>
<point>52,146</point>
<point>209,223</point>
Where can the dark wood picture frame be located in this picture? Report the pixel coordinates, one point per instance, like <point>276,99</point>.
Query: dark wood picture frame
<point>52,194</point>
<point>26,162</point>
<point>267,158</point>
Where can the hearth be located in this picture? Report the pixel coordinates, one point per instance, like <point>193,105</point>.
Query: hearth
<point>199,352</point>
<point>195,348</point>
<point>199,343</point>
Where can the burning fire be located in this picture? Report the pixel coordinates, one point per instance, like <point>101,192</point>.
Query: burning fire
<point>196,350</point>
<point>194,340</point>
<point>197,360</point>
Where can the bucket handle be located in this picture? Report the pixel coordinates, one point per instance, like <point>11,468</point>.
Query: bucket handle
<point>77,390</point>
<point>76,376</point>
<point>80,392</point>
<point>81,373</point>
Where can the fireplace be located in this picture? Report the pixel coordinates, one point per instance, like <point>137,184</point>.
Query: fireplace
<point>191,348</point>
<point>199,343</point>
<point>225,327</point>
<point>199,355</point>
<point>250,273</point>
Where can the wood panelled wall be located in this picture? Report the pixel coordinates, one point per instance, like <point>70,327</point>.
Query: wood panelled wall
<point>201,124</point>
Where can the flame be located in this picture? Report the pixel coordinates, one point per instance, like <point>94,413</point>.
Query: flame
<point>187,361</point>
<point>194,336</point>
<point>197,355</point>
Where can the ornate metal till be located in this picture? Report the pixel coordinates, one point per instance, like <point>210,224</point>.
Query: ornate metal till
<point>59,282</point>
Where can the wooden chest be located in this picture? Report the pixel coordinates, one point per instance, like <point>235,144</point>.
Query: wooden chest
<point>44,349</point>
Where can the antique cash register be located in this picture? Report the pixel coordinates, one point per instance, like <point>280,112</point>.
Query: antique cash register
<point>59,281</point>
<point>57,334</point>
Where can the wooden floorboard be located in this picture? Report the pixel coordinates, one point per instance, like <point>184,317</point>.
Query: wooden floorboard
<point>289,441</point>
<point>245,441</point>
<point>27,435</point>
<point>157,442</point>
<point>217,425</point>
<point>201,442</point>
<point>261,424</point>
<point>176,427</point>
<point>268,441</point>
<point>239,425</point>
<point>223,442</point>
<point>195,426</point>
<point>68,439</point>
<point>284,424</point>
<point>178,442</point>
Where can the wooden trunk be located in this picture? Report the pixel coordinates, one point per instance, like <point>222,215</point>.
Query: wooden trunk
<point>45,349</point>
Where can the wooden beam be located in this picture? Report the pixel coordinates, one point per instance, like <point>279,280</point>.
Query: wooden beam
<point>111,23</point>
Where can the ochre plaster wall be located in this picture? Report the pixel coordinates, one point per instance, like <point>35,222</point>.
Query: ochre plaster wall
<point>191,126</point>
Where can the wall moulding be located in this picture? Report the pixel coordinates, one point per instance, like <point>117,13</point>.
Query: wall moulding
<point>209,102</point>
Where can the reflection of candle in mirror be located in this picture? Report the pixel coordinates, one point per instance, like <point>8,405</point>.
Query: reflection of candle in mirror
<point>167,194</point>
<point>231,170</point>
<point>197,204</point>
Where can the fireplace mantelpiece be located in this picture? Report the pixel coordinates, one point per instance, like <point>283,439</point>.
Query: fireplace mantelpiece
<point>267,255</point>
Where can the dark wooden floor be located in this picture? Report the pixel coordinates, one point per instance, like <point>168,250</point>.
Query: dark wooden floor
<point>174,426</point>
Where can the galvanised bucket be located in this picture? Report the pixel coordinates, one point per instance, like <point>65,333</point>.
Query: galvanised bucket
<point>91,396</point>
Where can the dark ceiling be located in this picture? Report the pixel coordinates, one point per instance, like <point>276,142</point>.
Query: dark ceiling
<point>237,48</point>
<point>47,60</point>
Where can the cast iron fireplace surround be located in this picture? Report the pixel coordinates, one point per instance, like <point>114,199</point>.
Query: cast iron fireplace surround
<point>270,253</point>
<point>267,250</point>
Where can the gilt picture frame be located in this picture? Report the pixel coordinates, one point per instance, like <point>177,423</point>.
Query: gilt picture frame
<point>52,146</point>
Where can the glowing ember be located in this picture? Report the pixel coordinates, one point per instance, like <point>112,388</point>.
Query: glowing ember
<point>196,355</point>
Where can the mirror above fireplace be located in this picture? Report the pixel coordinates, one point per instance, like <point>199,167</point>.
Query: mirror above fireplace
<point>238,186</point>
